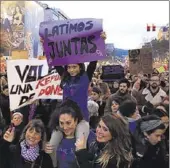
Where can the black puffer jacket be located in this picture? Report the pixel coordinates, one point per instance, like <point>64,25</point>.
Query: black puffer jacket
<point>87,158</point>
<point>150,156</point>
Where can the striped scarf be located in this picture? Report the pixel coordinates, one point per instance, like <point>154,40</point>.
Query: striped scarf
<point>29,153</point>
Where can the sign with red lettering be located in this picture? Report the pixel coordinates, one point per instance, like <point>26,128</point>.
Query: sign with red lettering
<point>28,80</point>
<point>49,87</point>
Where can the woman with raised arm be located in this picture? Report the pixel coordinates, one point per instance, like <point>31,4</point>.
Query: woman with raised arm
<point>112,147</point>
<point>28,153</point>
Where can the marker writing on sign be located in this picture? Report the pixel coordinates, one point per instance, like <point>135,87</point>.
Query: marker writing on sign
<point>76,45</point>
<point>68,28</point>
<point>29,74</point>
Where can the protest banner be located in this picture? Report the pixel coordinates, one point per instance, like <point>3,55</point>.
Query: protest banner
<point>161,69</point>
<point>134,61</point>
<point>31,82</point>
<point>22,78</point>
<point>140,60</point>
<point>146,60</point>
<point>49,87</point>
<point>112,72</point>
<point>72,41</point>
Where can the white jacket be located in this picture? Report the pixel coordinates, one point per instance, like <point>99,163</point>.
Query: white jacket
<point>156,99</point>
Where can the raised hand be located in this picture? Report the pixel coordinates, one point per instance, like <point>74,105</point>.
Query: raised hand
<point>103,35</point>
<point>81,143</point>
<point>9,135</point>
<point>49,148</point>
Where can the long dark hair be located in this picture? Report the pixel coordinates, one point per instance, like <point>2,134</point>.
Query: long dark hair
<point>39,127</point>
<point>67,107</point>
<point>119,147</point>
<point>66,76</point>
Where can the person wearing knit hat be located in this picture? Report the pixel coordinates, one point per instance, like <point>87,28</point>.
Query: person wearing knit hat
<point>97,91</point>
<point>17,118</point>
<point>93,108</point>
<point>147,126</point>
<point>150,152</point>
<point>17,123</point>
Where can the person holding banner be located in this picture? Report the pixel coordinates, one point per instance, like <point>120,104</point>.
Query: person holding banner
<point>75,83</point>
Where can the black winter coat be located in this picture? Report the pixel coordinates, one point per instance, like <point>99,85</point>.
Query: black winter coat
<point>153,157</point>
<point>11,158</point>
<point>87,158</point>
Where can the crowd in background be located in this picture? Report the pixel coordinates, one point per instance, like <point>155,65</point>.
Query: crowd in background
<point>95,126</point>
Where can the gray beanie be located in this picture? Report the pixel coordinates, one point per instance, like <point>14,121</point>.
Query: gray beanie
<point>150,125</point>
<point>93,108</point>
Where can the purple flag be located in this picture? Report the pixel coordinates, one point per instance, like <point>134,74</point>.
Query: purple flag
<point>72,41</point>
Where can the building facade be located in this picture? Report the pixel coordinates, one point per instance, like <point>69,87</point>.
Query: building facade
<point>20,22</point>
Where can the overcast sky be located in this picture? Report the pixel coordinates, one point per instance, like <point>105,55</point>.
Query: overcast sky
<point>124,22</point>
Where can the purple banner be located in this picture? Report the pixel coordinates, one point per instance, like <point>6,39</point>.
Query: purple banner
<point>72,41</point>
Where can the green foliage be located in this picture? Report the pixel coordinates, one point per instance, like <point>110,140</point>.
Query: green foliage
<point>159,48</point>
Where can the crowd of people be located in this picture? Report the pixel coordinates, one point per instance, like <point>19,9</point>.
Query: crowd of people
<point>93,126</point>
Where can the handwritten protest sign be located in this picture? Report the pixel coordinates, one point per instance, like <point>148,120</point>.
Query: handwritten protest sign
<point>112,72</point>
<point>161,69</point>
<point>25,82</point>
<point>49,87</point>
<point>140,60</point>
<point>72,41</point>
<point>146,60</point>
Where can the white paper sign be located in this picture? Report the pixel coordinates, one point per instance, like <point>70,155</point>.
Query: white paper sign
<point>24,84</point>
